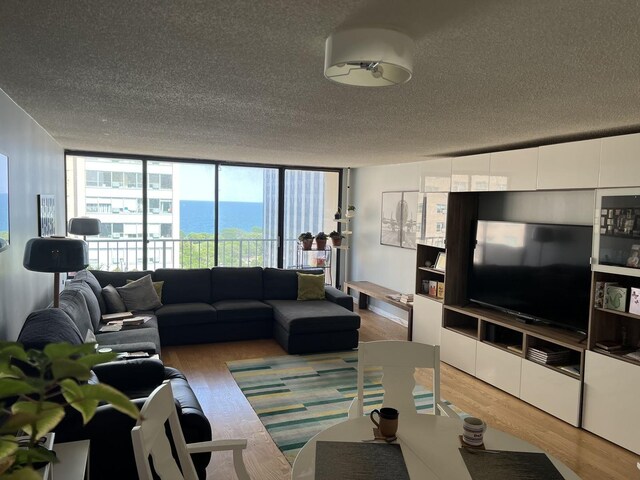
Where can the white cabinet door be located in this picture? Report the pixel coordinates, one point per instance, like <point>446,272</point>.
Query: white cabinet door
<point>619,161</point>
<point>435,175</point>
<point>470,173</point>
<point>611,393</point>
<point>427,320</point>
<point>458,350</point>
<point>553,392</point>
<point>569,165</point>
<point>498,368</point>
<point>514,170</point>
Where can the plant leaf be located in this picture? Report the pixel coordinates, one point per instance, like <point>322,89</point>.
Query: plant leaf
<point>47,418</point>
<point>74,395</point>
<point>26,473</point>
<point>106,393</point>
<point>68,368</point>
<point>5,464</point>
<point>16,421</point>
<point>8,446</point>
<point>10,387</point>
<point>66,350</point>
<point>97,358</point>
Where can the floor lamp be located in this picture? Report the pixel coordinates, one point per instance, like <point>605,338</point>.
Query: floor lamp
<point>55,255</point>
<point>84,226</point>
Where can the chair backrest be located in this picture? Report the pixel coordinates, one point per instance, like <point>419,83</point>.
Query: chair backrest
<point>398,360</point>
<point>150,439</point>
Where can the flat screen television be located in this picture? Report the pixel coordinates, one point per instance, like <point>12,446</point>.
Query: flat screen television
<point>538,272</point>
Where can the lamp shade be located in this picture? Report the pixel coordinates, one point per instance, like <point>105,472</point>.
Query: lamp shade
<point>368,57</point>
<point>55,254</point>
<point>84,226</point>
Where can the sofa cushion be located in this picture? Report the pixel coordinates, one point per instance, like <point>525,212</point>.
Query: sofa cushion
<point>242,310</point>
<point>282,284</point>
<point>312,316</point>
<point>157,286</point>
<point>113,300</point>
<point>185,314</point>
<point>147,332</point>
<point>117,279</point>
<point>310,287</point>
<point>92,301</point>
<point>93,282</point>
<point>140,295</point>
<point>236,283</point>
<point>185,286</point>
<point>50,325</point>
<point>72,302</point>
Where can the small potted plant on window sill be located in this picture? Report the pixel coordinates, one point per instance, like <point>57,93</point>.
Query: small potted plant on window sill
<point>351,211</point>
<point>306,240</point>
<point>338,214</point>
<point>321,241</point>
<point>336,238</point>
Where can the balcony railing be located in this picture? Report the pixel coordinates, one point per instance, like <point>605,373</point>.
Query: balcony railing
<point>126,255</point>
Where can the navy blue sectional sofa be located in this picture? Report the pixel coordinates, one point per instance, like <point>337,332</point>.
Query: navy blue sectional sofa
<point>224,304</point>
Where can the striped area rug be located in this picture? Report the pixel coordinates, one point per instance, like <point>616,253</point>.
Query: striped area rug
<point>297,396</point>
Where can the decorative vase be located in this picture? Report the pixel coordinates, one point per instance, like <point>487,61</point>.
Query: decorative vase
<point>337,241</point>
<point>321,244</point>
<point>306,244</point>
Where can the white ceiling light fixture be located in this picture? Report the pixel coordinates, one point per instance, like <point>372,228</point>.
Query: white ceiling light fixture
<point>368,57</point>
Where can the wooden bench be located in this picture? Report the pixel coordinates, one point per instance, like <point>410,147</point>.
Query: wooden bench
<point>371,290</point>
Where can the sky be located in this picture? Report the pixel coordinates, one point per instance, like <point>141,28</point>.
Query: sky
<point>4,174</point>
<point>237,184</point>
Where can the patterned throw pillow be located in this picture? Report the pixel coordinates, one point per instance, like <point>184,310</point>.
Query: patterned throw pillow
<point>310,287</point>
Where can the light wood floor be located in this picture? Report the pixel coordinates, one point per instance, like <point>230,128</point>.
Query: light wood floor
<point>231,416</point>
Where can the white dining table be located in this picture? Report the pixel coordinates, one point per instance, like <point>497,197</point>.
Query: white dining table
<point>429,444</point>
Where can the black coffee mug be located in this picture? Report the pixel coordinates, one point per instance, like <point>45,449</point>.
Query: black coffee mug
<point>387,421</point>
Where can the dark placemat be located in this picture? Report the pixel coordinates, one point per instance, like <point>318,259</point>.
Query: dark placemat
<point>504,465</point>
<point>359,461</point>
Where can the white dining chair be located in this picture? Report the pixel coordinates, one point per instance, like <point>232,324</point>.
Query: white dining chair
<point>398,360</point>
<point>150,440</point>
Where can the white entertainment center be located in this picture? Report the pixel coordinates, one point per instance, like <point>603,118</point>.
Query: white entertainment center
<point>556,184</point>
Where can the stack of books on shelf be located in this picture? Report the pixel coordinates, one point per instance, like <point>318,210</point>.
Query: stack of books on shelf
<point>402,297</point>
<point>608,346</point>
<point>548,355</point>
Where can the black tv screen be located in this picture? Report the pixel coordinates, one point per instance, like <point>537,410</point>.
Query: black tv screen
<point>535,271</point>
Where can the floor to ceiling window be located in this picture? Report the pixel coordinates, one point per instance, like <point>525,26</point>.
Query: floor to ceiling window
<point>248,213</point>
<point>170,219</point>
<point>310,203</point>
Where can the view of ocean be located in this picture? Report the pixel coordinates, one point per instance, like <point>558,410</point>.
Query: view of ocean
<point>197,216</point>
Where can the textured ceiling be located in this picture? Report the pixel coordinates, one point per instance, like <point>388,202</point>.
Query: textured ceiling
<point>242,80</point>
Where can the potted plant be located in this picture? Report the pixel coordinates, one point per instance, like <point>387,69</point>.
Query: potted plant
<point>338,214</point>
<point>35,388</point>
<point>321,241</point>
<point>306,240</point>
<point>336,238</point>
<point>351,211</point>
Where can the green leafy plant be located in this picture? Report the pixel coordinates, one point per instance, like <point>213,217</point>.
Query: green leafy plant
<point>351,208</point>
<point>335,234</point>
<point>305,236</point>
<point>35,388</point>
<point>321,236</point>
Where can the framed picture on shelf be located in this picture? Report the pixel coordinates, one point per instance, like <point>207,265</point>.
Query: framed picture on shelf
<point>46,215</point>
<point>441,262</point>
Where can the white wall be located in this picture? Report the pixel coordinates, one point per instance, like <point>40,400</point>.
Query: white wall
<point>391,267</point>
<point>36,166</point>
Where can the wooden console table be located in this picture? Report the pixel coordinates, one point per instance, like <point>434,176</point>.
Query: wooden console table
<point>369,289</point>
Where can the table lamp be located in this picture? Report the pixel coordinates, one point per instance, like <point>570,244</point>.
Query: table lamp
<point>84,226</point>
<point>55,254</point>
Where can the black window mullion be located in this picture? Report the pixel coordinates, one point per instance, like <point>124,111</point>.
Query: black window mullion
<point>216,215</point>
<point>145,241</point>
<point>281,239</point>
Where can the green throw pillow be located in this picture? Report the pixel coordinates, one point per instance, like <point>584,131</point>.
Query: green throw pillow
<point>156,285</point>
<point>310,287</point>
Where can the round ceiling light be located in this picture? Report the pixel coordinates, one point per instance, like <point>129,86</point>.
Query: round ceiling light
<point>368,57</point>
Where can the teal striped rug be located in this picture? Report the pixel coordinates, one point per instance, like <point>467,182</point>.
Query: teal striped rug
<point>297,396</point>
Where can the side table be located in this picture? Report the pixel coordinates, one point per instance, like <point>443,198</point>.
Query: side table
<point>73,461</point>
